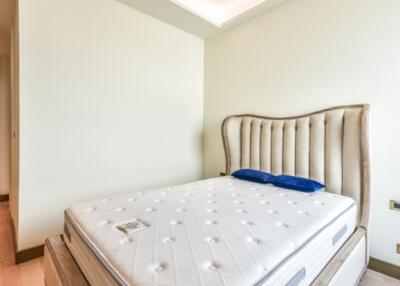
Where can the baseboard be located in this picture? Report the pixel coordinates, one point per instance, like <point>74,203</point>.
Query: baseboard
<point>4,198</point>
<point>384,267</point>
<point>29,254</point>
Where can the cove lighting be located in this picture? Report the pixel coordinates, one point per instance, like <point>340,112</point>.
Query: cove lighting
<point>218,12</point>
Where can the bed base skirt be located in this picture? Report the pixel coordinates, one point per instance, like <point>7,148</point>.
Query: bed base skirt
<point>345,268</point>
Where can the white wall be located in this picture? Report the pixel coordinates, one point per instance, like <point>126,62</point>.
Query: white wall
<point>4,125</point>
<point>310,54</point>
<point>111,101</point>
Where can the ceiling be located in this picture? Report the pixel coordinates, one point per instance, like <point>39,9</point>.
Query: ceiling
<point>203,18</point>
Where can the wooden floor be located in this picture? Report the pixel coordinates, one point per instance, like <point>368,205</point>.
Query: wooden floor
<point>31,273</point>
<point>25,274</point>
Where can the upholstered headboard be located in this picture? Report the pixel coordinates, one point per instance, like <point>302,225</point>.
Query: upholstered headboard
<point>330,146</point>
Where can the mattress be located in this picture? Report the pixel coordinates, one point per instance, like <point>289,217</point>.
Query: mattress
<point>220,231</point>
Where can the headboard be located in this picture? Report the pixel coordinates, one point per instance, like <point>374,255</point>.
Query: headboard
<point>330,146</point>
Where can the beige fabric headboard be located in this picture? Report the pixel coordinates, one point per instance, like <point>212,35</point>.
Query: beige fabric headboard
<point>330,146</point>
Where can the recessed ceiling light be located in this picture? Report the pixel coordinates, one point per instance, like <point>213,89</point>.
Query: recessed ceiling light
<point>218,12</point>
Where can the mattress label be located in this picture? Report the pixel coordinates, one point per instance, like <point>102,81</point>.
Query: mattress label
<point>131,226</point>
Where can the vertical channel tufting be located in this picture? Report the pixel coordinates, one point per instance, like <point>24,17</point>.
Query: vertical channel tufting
<point>233,145</point>
<point>330,146</point>
<point>317,148</point>
<point>333,152</point>
<point>255,144</point>
<point>265,148</point>
<point>352,155</point>
<point>289,147</point>
<point>302,147</point>
<point>245,152</point>
<point>277,147</point>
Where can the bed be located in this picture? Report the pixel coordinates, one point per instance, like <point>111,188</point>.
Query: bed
<point>225,231</point>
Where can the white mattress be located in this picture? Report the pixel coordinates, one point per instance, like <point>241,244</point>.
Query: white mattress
<point>220,231</point>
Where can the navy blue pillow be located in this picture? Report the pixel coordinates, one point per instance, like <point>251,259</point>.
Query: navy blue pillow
<point>297,183</point>
<point>254,176</point>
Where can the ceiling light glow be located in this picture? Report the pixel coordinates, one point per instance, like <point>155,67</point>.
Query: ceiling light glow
<point>218,12</point>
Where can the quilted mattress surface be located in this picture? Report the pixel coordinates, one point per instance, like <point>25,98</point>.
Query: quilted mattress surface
<point>221,231</point>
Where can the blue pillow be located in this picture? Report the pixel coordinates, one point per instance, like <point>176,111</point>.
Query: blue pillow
<point>254,176</point>
<point>297,183</point>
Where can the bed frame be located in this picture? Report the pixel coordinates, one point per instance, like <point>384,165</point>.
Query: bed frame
<point>330,146</point>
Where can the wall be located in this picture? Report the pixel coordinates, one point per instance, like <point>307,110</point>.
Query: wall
<point>4,125</point>
<point>306,55</point>
<point>110,102</point>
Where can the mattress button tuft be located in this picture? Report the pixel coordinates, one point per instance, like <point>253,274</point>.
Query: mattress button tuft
<point>237,202</point>
<point>104,222</point>
<point>91,209</point>
<point>179,210</point>
<point>212,266</point>
<point>119,210</point>
<point>210,239</point>
<point>210,222</point>
<point>158,267</point>
<point>253,240</point>
<point>211,211</point>
<point>292,202</point>
<point>245,222</point>
<point>168,239</point>
<point>319,203</point>
<point>131,200</point>
<point>149,210</point>
<point>264,202</point>
<point>175,222</point>
<point>242,211</point>
<point>281,224</point>
<point>125,240</point>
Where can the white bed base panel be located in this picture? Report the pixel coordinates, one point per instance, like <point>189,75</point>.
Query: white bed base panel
<point>353,268</point>
<point>307,263</point>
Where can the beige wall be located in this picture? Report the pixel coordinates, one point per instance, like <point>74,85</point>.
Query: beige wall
<point>4,125</point>
<point>111,101</point>
<point>311,54</point>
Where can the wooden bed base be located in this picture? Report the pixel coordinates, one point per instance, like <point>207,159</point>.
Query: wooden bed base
<point>61,269</point>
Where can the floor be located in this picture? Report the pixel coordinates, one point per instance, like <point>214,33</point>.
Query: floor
<point>25,274</point>
<point>31,273</point>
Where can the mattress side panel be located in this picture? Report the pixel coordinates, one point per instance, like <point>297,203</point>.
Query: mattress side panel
<point>88,262</point>
<point>315,255</point>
